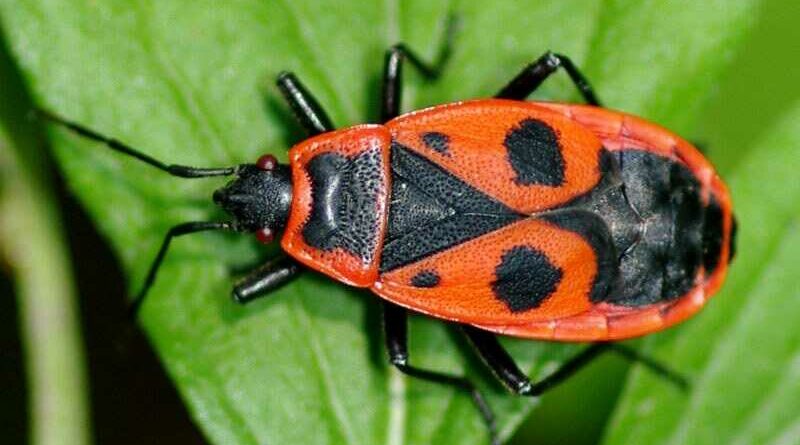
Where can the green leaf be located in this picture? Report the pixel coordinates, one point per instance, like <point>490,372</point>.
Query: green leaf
<point>661,59</point>
<point>188,82</point>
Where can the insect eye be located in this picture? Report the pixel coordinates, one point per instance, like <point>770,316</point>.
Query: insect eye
<point>267,162</point>
<point>265,235</point>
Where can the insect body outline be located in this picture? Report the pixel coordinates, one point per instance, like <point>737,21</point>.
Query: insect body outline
<point>540,220</point>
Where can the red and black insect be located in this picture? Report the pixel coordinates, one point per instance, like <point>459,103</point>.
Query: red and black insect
<point>531,219</point>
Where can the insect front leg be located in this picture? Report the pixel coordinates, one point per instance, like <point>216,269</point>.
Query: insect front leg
<point>529,79</point>
<point>265,279</point>
<point>179,230</point>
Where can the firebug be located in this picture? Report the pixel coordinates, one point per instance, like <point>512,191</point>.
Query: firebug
<point>542,220</point>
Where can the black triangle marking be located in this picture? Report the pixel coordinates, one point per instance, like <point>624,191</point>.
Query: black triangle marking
<point>435,211</point>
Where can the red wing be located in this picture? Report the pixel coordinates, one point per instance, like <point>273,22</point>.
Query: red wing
<point>527,271</point>
<point>605,321</point>
<point>527,157</point>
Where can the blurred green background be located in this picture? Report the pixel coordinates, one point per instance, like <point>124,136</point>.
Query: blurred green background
<point>721,73</point>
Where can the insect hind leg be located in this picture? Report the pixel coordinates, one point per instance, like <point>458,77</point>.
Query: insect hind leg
<point>656,367</point>
<point>507,371</point>
<point>395,322</point>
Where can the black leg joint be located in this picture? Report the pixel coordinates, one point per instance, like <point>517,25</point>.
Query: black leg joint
<point>498,360</point>
<point>580,81</point>
<point>567,370</point>
<point>395,325</point>
<point>532,76</point>
<point>393,69</point>
<point>400,361</point>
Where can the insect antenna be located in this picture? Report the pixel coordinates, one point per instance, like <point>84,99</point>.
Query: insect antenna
<point>181,171</point>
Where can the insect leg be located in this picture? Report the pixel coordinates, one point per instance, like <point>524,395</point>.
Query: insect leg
<point>503,366</point>
<point>305,106</point>
<point>182,171</point>
<point>652,364</point>
<point>395,323</point>
<point>265,279</point>
<point>180,229</point>
<point>393,69</point>
<point>529,79</point>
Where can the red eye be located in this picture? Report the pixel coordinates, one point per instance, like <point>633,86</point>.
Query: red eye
<point>265,236</point>
<point>267,162</point>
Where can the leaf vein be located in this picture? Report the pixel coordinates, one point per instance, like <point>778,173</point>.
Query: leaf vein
<point>321,362</point>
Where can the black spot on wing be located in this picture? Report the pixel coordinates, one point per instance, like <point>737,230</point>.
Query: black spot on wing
<point>534,153</point>
<point>426,278</point>
<point>525,277</point>
<point>438,142</point>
